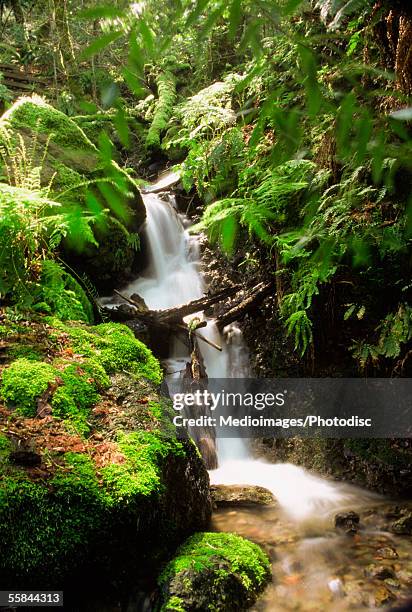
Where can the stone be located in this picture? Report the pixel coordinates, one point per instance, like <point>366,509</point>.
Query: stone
<point>241,495</point>
<point>384,596</point>
<point>403,526</point>
<point>214,571</point>
<point>386,552</point>
<point>381,572</point>
<point>347,521</point>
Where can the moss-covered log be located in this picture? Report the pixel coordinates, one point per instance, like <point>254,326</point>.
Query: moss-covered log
<point>166,88</point>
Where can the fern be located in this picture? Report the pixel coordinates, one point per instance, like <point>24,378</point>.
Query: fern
<point>267,205</point>
<point>394,331</point>
<point>62,295</point>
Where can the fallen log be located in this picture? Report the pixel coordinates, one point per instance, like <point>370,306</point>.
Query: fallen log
<point>173,315</point>
<point>248,303</point>
<point>150,317</point>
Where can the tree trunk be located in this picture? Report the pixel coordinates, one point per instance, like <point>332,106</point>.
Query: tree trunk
<point>64,41</point>
<point>17,12</point>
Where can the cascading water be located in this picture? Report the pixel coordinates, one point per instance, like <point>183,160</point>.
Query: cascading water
<point>172,278</point>
<point>306,503</point>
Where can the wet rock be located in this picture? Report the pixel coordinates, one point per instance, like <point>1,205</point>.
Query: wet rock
<point>214,571</point>
<point>392,582</point>
<point>347,521</point>
<point>241,495</point>
<point>403,526</point>
<point>386,552</point>
<point>384,596</point>
<point>381,572</point>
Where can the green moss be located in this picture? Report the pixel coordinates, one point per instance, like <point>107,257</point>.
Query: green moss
<point>23,382</point>
<point>114,346</point>
<point>141,473</point>
<point>5,447</point>
<point>26,351</point>
<point>47,529</point>
<point>166,86</point>
<point>211,566</point>
<point>174,604</point>
<point>79,392</point>
<point>42,118</point>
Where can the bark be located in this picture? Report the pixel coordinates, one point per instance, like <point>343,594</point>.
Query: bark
<point>251,300</point>
<point>64,41</point>
<point>17,12</point>
<point>174,316</point>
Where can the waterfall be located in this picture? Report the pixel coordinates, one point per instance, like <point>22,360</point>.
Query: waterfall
<point>171,278</point>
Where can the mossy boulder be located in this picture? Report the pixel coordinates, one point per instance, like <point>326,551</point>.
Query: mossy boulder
<point>112,491</point>
<point>214,571</point>
<point>82,176</point>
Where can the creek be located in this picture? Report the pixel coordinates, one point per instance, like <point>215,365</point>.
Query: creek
<point>315,567</point>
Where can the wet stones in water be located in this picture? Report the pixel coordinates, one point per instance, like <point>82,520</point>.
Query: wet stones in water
<point>347,522</point>
<point>380,572</point>
<point>386,552</point>
<point>241,495</point>
<point>403,526</point>
<point>384,596</point>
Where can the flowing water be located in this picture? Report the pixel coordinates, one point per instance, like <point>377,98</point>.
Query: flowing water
<point>314,567</point>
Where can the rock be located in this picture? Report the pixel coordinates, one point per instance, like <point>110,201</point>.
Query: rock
<point>384,596</point>
<point>347,521</point>
<point>241,495</point>
<point>386,552</point>
<point>214,571</point>
<point>70,164</point>
<point>381,572</point>
<point>403,526</point>
<point>116,492</point>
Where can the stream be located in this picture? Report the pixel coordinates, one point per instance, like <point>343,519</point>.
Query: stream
<point>315,567</point>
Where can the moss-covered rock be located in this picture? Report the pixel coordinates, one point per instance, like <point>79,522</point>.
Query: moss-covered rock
<point>112,491</point>
<point>214,571</point>
<point>72,383</point>
<point>78,174</point>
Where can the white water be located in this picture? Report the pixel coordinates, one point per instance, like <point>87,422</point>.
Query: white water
<point>172,278</point>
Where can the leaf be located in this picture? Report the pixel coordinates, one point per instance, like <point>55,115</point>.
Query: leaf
<point>291,6</point>
<point>101,12</point>
<point>195,14</point>
<point>229,230</point>
<point>100,43</point>
<point>235,16</point>
<point>147,36</point>
<point>122,127</point>
<point>134,82</point>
